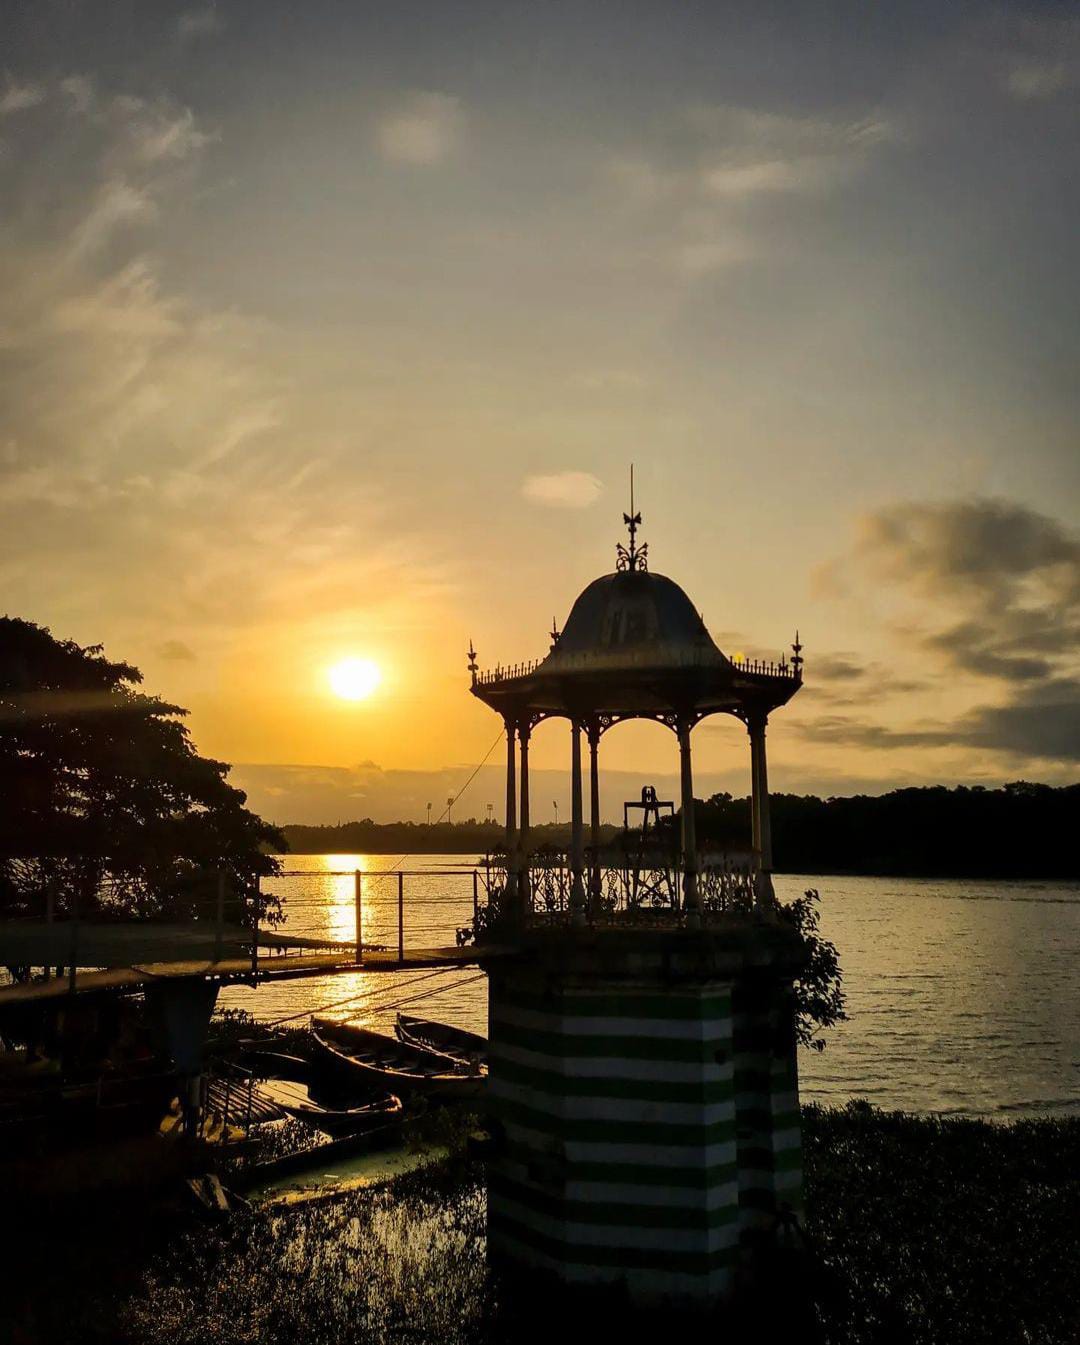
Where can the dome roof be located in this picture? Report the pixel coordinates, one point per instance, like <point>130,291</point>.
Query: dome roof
<point>633,616</point>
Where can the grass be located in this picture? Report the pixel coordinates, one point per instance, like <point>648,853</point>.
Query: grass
<point>919,1231</point>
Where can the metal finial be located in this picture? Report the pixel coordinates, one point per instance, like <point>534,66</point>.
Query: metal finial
<point>632,557</point>
<point>555,633</point>
<point>473,666</point>
<point>796,655</point>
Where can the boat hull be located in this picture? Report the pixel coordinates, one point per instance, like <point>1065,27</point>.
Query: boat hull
<point>383,1063</point>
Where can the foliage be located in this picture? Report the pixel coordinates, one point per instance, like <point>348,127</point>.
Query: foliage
<point>105,800</point>
<point>467,837</point>
<point>1019,831</point>
<point>929,1230</point>
<point>920,1230</point>
<point>819,998</point>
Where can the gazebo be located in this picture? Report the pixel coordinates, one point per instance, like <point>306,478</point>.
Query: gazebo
<point>633,647</point>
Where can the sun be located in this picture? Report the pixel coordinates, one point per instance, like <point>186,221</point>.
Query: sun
<point>354,679</point>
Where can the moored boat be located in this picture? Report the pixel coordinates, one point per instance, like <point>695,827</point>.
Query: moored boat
<point>374,1060</point>
<point>299,1101</point>
<point>468,1047</point>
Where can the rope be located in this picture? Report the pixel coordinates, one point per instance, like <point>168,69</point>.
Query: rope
<point>429,994</point>
<point>351,999</point>
<point>446,811</point>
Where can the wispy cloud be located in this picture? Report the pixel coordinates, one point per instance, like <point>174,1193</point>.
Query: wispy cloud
<point>18,96</point>
<point>176,651</point>
<point>986,589</point>
<point>729,163</point>
<point>563,490</point>
<point>424,129</point>
<point>1032,80</point>
<point>177,470</point>
<point>193,24</point>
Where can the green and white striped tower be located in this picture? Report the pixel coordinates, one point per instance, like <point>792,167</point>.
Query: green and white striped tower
<point>643,1100</point>
<point>643,1092</point>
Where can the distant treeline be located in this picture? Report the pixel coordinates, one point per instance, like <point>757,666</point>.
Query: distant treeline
<point>1020,831</point>
<point>469,837</point>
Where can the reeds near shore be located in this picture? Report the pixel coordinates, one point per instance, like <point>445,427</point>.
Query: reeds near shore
<point>919,1230</point>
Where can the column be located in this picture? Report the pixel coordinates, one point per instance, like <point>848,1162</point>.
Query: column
<point>593,733</point>
<point>524,730</point>
<point>577,830</point>
<point>691,897</point>
<point>762,827</point>
<point>511,809</point>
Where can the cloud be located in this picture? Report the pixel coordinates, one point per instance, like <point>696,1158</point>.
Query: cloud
<point>563,490</point>
<point>18,97</point>
<point>426,129</point>
<point>80,90</point>
<point>196,23</point>
<point>176,651</point>
<point>989,589</point>
<point>1033,80</point>
<point>722,165</point>
<point>1041,722</point>
<point>162,448</point>
<point>1008,577</point>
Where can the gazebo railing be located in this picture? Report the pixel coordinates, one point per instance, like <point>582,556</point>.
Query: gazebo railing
<point>645,891</point>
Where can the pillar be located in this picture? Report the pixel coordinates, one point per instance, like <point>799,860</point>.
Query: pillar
<point>762,826</point>
<point>640,1140</point>
<point>511,809</point>
<point>593,733</point>
<point>691,897</point>
<point>524,730</point>
<point>577,830</point>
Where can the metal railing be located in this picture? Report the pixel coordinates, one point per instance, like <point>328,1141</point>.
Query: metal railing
<point>640,889</point>
<point>632,658</point>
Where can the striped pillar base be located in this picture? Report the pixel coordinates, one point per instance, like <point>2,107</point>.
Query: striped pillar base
<point>620,1105</point>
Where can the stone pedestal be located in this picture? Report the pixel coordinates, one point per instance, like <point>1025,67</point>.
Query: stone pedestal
<point>644,1103</point>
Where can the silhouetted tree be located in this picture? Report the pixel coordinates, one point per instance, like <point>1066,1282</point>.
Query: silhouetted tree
<point>103,798</point>
<point>1019,831</point>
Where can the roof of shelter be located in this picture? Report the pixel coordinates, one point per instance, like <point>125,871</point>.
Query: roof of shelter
<point>635,644</point>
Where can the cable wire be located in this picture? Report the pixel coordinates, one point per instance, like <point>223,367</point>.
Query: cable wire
<point>351,999</point>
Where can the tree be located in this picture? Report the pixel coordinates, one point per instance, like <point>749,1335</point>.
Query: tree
<point>103,799</point>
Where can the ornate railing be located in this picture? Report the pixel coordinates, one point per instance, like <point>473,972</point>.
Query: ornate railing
<point>638,888</point>
<point>644,659</point>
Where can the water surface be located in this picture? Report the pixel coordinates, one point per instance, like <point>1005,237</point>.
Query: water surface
<point>962,995</point>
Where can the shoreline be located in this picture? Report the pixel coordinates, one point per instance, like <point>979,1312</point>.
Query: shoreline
<point>917,1229</point>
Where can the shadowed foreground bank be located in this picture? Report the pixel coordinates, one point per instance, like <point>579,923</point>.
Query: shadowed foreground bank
<point>920,1231</point>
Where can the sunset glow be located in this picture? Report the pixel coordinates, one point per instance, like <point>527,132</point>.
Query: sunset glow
<point>354,679</point>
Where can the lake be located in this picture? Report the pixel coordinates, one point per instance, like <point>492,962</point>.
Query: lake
<point>962,995</point>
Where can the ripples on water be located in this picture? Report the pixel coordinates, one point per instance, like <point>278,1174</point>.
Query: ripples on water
<point>962,995</point>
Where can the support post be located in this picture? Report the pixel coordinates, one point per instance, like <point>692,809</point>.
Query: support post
<point>400,916</point>
<point>255,932</point>
<point>219,923</point>
<point>577,830</point>
<point>593,734</point>
<point>511,809</point>
<point>358,898</point>
<point>524,731</point>
<point>762,825</point>
<point>691,896</point>
<point>73,950</point>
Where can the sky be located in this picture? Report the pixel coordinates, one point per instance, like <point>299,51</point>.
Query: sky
<point>330,331</point>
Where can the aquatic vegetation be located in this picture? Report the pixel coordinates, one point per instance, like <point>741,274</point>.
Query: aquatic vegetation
<point>921,1230</point>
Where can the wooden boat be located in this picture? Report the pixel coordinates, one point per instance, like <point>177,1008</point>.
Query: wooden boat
<point>302,1104</point>
<point>377,1061</point>
<point>469,1047</point>
<point>295,1087</point>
